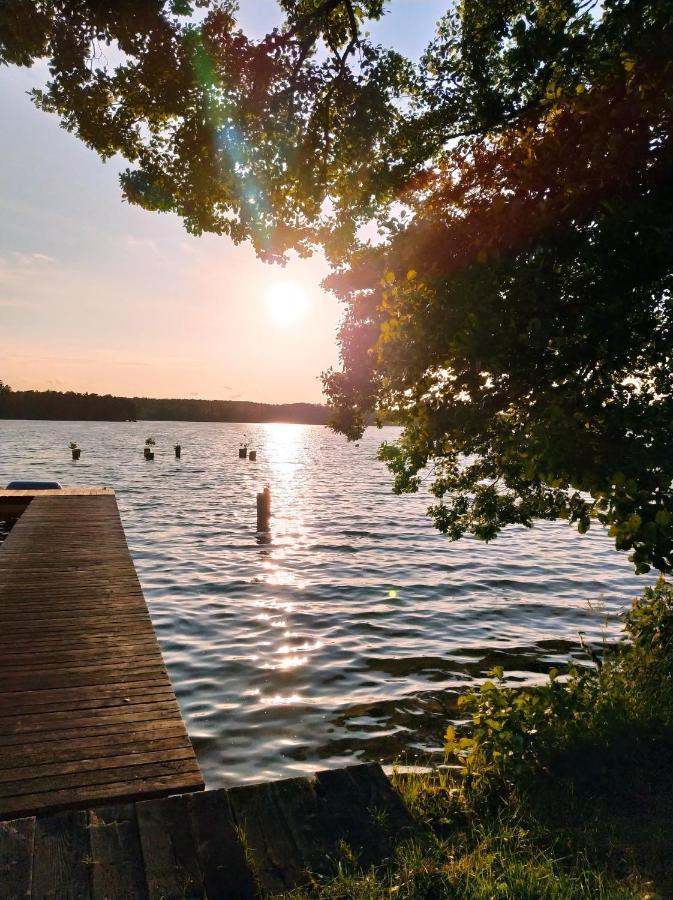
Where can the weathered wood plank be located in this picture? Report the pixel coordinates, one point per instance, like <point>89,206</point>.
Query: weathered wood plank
<point>87,698</point>
<point>191,846</point>
<point>225,869</point>
<point>62,856</point>
<point>172,869</point>
<point>382,801</point>
<point>16,857</point>
<point>90,795</point>
<point>89,750</point>
<point>51,721</point>
<point>307,822</point>
<point>363,810</point>
<point>278,862</point>
<point>91,777</point>
<point>87,710</point>
<point>141,729</point>
<point>36,772</point>
<point>117,868</point>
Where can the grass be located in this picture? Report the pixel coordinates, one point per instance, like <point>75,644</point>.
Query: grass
<point>565,791</point>
<point>510,853</point>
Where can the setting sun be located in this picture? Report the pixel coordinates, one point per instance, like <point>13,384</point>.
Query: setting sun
<point>287,302</point>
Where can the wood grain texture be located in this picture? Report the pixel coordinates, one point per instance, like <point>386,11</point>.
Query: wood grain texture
<point>222,859</point>
<point>167,837</point>
<point>243,843</point>
<point>87,710</point>
<point>62,856</point>
<point>16,858</point>
<point>117,869</point>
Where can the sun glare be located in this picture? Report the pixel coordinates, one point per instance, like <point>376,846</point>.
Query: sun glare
<point>287,302</point>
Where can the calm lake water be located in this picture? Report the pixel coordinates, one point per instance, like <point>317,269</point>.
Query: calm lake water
<point>350,634</point>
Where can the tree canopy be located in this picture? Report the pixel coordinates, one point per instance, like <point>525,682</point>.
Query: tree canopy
<point>514,314</point>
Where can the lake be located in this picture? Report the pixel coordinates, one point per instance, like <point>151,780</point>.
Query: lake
<point>349,635</point>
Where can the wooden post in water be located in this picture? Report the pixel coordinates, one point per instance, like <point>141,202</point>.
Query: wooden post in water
<point>243,452</point>
<point>178,451</point>
<point>264,509</point>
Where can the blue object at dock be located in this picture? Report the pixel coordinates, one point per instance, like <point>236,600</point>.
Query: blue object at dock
<point>33,485</point>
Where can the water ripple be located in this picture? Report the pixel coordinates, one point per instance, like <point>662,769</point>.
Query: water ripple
<point>348,635</point>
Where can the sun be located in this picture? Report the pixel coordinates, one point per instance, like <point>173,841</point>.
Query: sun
<point>287,302</point>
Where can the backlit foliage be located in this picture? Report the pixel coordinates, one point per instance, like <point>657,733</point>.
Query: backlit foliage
<point>514,314</point>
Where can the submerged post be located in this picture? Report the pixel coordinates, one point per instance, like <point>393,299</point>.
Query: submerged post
<point>264,509</point>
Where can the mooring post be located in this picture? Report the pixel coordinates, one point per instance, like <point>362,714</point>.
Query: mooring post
<point>264,509</point>
<point>178,451</point>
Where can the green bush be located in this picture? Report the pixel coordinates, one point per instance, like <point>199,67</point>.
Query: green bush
<point>514,732</point>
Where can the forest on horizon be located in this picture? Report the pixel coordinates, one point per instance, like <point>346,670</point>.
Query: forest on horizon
<point>74,406</point>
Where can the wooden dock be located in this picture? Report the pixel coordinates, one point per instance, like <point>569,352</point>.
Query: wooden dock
<point>236,844</point>
<point>87,710</point>
<point>101,796</point>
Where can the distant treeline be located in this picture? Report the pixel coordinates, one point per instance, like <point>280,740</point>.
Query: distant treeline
<point>64,405</point>
<point>70,405</point>
<point>228,411</point>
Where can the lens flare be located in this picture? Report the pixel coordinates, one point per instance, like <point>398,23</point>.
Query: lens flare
<point>287,302</point>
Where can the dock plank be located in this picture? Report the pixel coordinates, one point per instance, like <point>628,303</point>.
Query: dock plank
<point>16,857</point>
<point>240,843</point>
<point>87,710</point>
<point>167,837</point>
<point>278,860</point>
<point>224,866</point>
<point>61,858</point>
<point>117,868</point>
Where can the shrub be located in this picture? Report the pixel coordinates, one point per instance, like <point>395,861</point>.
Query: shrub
<point>512,732</point>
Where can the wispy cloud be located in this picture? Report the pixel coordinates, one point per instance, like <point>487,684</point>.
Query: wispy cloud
<point>17,260</point>
<point>17,271</point>
<point>146,245</point>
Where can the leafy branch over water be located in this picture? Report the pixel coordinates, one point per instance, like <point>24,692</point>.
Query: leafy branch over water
<point>515,314</point>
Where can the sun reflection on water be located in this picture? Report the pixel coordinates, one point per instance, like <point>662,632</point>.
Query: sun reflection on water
<point>287,662</point>
<point>280,700</point>
<point>286,452</point>
<point>346,631</point>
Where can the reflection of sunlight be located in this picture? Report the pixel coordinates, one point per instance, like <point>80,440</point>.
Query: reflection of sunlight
<point>274,621</point>
<point>292,657</point>
<point>284,578</point>
<point>287,662</point>
<point>279,700</point>
<point>308,645</point>
<point>284,446</point>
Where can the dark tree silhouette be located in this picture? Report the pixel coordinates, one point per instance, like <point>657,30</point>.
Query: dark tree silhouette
<point>515,316</point>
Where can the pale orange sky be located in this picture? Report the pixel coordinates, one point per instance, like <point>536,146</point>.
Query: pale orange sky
<point>97,295</point>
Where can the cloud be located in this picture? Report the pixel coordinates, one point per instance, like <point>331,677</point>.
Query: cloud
<point>19,260</point>
<point>17,269</point>
<point>146,245</point>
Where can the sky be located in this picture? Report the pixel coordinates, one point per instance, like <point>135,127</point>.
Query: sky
<point>97,295</point>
